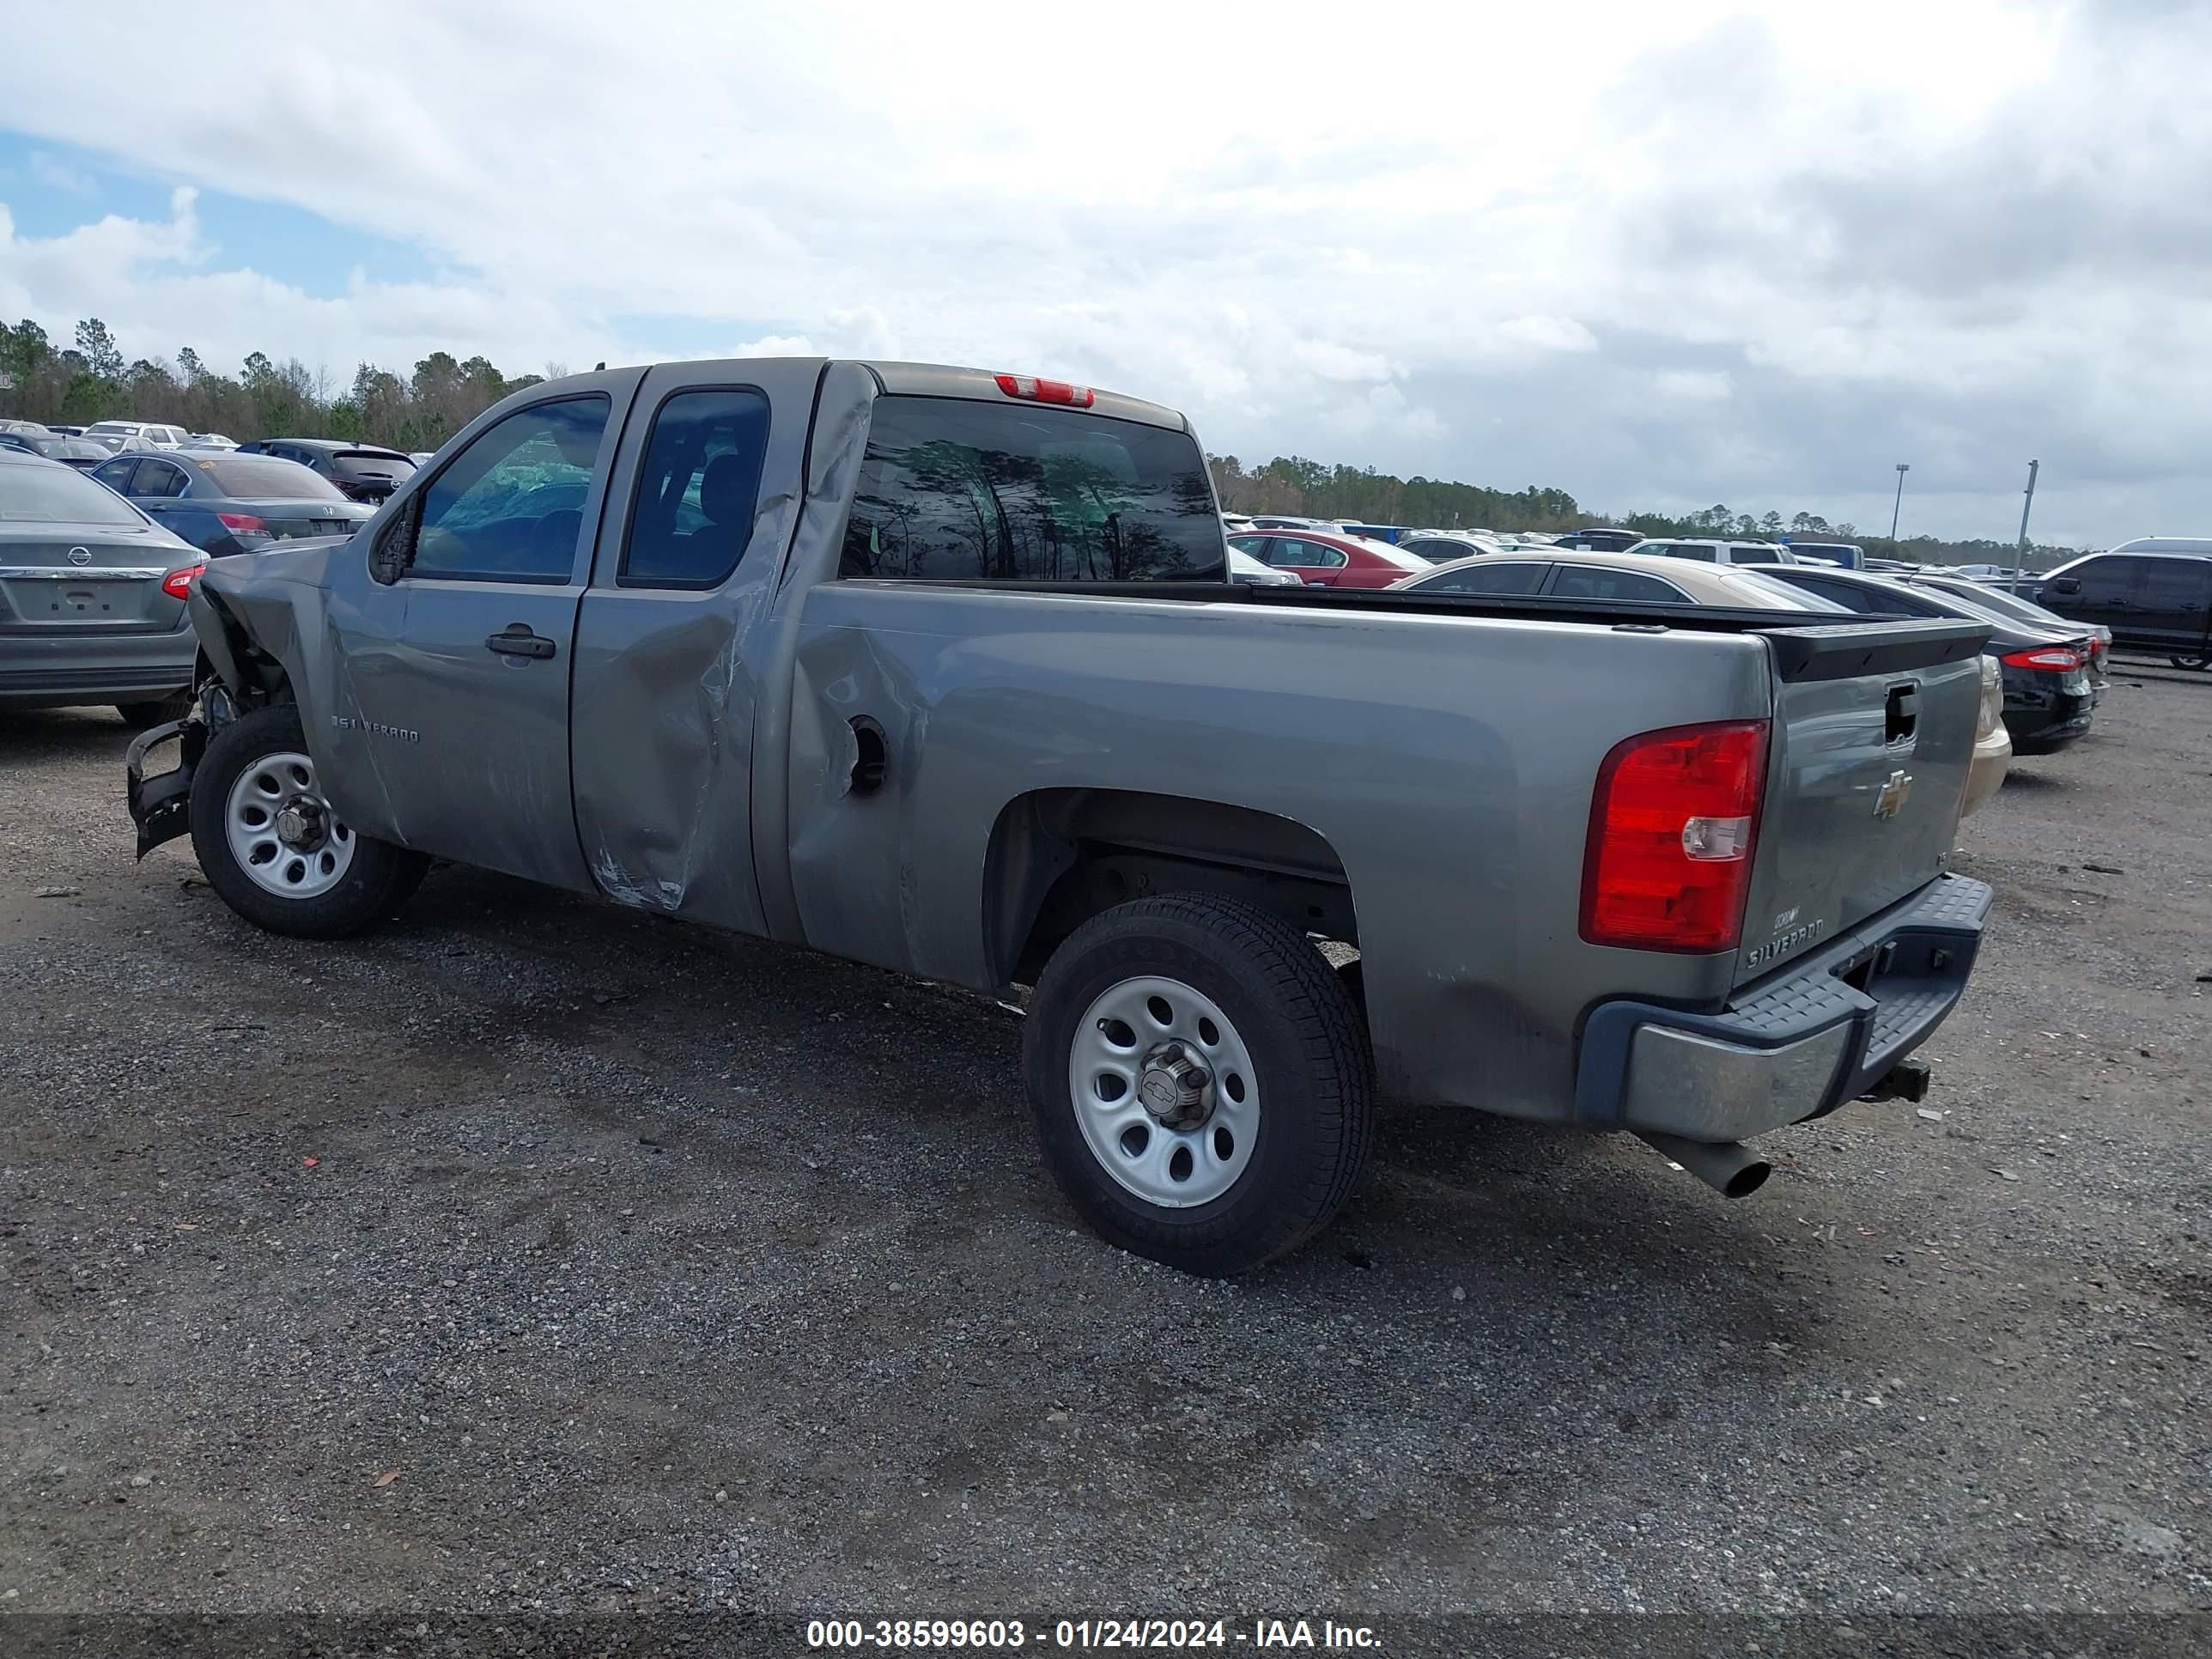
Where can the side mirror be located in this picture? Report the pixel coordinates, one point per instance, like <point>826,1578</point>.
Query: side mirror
<point>394,550</point>
<point>2066,585</point>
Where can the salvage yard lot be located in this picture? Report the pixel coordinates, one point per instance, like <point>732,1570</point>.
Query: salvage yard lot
<point>533,1253</point>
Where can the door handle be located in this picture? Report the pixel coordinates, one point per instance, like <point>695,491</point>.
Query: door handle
<point>516,640</point>
<point>1900,714</point>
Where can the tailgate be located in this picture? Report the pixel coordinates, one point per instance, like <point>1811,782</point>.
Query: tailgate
<point>1873,737</point>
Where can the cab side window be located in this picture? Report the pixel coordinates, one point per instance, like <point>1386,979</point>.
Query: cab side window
<point>1306,556</point>
<point>1490,576</point>
<point>697,490</point>
<point>1576,581</point>
<point>2177,585</point>
<point>156,478</point>
<point>2104,580</point>
<point>510,506</point>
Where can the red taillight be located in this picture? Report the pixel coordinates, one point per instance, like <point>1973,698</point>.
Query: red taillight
<point>178,584</point>
<point>244,523</point>
<point>2044,656</point>
<point>1668,861</point>
<point>1046,391</point>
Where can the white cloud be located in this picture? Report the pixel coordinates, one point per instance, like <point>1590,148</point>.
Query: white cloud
<point>1695,385</point>
<point>1097,197</point>
<point>1548,333</point>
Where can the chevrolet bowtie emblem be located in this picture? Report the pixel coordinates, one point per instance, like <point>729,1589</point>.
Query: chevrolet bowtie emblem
<point>1894,791</point>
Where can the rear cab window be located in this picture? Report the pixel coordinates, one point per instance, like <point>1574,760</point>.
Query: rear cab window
<point>952,489</point>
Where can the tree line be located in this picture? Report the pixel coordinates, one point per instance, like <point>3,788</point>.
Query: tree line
<point>88,380</point>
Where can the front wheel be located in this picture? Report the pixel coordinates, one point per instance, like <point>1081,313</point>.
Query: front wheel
<point>2197,661</point>
<point>1199,1081</point>
<point>273,849</point>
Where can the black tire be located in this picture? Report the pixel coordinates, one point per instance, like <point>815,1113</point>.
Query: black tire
<point>379,880</point>
<point>141,716</point>
<point>1299,1025</point>
<point>2196,662</point>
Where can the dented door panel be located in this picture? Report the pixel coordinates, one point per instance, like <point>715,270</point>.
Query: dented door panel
<point>670,679</point>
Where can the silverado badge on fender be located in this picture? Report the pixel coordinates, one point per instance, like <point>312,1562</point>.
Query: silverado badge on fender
<point>1891,801</point>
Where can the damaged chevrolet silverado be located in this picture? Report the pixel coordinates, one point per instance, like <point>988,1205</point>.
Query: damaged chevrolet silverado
<point>941,670</point>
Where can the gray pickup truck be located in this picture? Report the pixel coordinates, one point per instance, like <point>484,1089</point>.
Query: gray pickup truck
<point>939,670</point>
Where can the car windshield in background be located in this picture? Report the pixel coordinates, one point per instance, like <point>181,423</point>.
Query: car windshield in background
<point>34,493</point>
<point>265,478</point>
<point>1768,590</point>
<point>954,490</point>
<point>1397,556</point>
<point>369,463</point>
<point>2004,603</point>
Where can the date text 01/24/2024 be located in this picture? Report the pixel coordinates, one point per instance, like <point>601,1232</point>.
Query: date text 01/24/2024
<point>1085,1634</point>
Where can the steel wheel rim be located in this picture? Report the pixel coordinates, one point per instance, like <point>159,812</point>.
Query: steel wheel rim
<point>1175,1166</point>
<point>282,833</point>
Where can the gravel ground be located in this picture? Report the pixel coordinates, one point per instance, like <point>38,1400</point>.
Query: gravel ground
<point>532,1254</point>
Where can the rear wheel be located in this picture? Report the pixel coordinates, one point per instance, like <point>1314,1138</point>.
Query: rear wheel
<point>273,849</point>
<point>1199,1081</point>
<point>142,715</point>
<point>2197,661</point>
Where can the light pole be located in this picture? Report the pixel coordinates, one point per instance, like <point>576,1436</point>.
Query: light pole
<point>1903,467</point>
<point>2024,508</point>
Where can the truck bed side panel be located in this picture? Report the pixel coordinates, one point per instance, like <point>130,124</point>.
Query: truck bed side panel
<point>1447,762</point>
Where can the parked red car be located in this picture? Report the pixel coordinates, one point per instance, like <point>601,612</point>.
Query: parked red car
<point>1325,559</point>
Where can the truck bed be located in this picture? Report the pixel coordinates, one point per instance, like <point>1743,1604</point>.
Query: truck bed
<point>1802,650</point>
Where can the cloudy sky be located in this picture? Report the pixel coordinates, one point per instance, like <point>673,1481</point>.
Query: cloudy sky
<point>1659,256</point>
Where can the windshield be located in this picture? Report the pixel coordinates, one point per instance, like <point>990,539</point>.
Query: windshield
<point>371,463</point>
<point>1397,555</point>
<point>953,490</point>
<point>2003,604</point>
<point>1766,590</point>
<point>267,478</point>
<point>40,494</point>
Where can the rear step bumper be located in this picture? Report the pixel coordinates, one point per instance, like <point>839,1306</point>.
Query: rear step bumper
<point>1838,1028</point>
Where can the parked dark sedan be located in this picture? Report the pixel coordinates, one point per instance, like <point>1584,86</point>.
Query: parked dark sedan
<point>80,453</point>
<point>225,502</point>
<point>363,471</point>
<point>2048,698</point>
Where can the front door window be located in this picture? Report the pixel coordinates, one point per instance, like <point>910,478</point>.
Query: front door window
<point>509,507</point>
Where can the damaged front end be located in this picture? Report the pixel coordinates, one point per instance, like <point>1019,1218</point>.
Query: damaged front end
<point>161,806</point>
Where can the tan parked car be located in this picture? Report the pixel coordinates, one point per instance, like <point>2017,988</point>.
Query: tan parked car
<point>1992,742</point>
<point>1567,573</point>
<point>1658,579</point>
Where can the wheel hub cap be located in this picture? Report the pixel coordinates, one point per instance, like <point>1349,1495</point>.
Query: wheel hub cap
<point>281,832</point>
<point>300,824</point>
<point>1164,1091</point>
<point>1174,1088</point>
